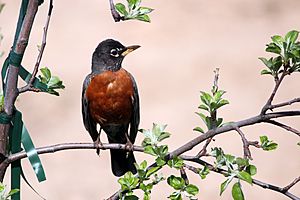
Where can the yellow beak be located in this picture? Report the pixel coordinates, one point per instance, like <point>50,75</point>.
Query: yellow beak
<point>130,49</point>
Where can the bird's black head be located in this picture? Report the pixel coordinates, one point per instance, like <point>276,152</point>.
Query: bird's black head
<point>109,55</point>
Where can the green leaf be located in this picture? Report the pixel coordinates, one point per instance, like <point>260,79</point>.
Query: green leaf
<point>270,147</point>
<point>265,71</point>
<point>163,136</point>
<point>205,98</point>
<point>229,158</point>
<point>263,139</point>
<point>223,102</point>
<point>131,197</point>
<point>161,150</point>
<point>203,107</point>
<point>143,165</point>
<point>121,9</point>
<point>160,162</point>
<point>149,150</point>
<point>268,63</point>
<point>2,187</point>
<point>198,129</point>
<point>291,36</point>
<point>144,18</point>
<point>152,170</point>
<point>237,192</point>
<point>176,162</point>
<point>52,82</point>
<point>202,116</point>
<point>175,196</point>
<point>242,162</point>
<point>273,48</point>
<point>266,144</point>
<point>278,40</point>
<point>204,172</point>
<point>144,10</point>
<point>218,95</point>
<point>12,192</point>
<point>219,122</point>
<point>245,176</point>
<point>192,189</point>
<point>176,182</point>
<point>225,184</point>
<point>55,83</point>
<point>46,72</point>
<point>277,63</point>
<point>128,181</point>
<point>146,196</point>
<point>251,169</point>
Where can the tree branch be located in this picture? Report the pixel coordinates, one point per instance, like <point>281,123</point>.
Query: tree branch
<point>29,86</point>
<point>286,127</point>
<point>69,146</point>
<point>117,17</point>
<point>256,182</point>
<point>268,105</point>
<point>247,153</point>
<point>287,103</point>
<point>211,133</point>
<point>11,91</point>
<point>289,186</point>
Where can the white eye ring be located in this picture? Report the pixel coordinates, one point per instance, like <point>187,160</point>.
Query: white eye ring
<point>114,53</point>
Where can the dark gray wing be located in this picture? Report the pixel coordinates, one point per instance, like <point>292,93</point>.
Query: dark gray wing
<point>89,123</point>
<point>135,119</point>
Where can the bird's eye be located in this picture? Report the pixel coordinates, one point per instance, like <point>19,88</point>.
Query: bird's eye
<point>114,53</point>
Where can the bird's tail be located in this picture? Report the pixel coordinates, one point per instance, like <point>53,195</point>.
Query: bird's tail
<point>122,162</point>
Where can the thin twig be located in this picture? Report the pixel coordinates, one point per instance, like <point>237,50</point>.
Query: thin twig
<point>117,17</point>
<point>29,86</point>
<point>287,103</point>
<point>211,133</point>
<point>184,176</point>
<point>66,146</point>
<point>191,168</point>
<point>269,101</point>
<point>284,126</point>
<point>203,151</point>
<point>247,153</point>
<point>289,186</point>
<point>254,181</point>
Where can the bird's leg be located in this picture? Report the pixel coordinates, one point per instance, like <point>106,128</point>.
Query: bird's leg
<point>128,144</point>
<point>98,142</point>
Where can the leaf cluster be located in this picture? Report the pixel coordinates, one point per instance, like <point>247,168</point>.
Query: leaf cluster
<point>52,82</point>
<point>266,144</point>
<point>181,188</point>
<point>134,11</point>
<point>211,103</point>
<point>235,167</point>
<point>142,181</point>
<point>287,49</point>
<point>4,195</point>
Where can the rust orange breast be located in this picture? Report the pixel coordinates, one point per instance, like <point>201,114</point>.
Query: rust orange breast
<point>110,97</point>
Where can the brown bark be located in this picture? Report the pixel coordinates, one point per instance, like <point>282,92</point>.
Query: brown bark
<point>11,90</point>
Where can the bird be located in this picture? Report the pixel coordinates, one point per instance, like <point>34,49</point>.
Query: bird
<point>110,99</point>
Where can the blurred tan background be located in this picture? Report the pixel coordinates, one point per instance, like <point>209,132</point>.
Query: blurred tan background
<point>181,47</point>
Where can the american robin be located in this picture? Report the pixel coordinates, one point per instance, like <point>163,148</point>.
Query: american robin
<point>110,98</point>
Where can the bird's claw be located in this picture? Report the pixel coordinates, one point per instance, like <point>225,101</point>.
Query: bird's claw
<point>98,145</point>
<point>129,146</point>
